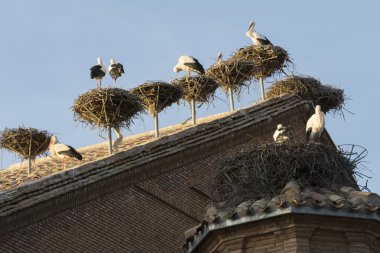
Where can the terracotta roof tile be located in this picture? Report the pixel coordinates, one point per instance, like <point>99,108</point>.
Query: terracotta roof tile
<point>349,202</point>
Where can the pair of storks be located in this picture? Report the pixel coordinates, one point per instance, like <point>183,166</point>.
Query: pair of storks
<point>314,128</point>
<point>98,71</point>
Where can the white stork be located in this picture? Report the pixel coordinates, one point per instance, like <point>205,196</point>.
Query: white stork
<point>282,134</point>
<point>219,59</point>
<point>190,64</point>
<point>62,151</point>
<point>98,72</point>
<point>257,38</point>
<point>315,125</point>
<point>115,69</point>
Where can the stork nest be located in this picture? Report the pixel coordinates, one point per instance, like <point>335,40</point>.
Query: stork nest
<point>267,59</point>
<point>26,142</point>
<point>264,171</point>
<point>308,88</point>
<point>234,74</point>
<point>198,88</point>
<point>156,96</point>
<point>107,107</point>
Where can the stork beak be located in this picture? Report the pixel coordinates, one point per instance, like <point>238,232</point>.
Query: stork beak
<point>251,25</point>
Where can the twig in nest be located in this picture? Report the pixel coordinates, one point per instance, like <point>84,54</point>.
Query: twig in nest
<point>268,59</point>
<point>263,171</point>
<point>26,142</point>
<point>198,88</point>
<point>156,96</point>
<point>308,88</point>
<point>107,107</point>
<point>233,74</point>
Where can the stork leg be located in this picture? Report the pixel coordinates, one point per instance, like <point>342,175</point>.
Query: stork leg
<point>100,83</point>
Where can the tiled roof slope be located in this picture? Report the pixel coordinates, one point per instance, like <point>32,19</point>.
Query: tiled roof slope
<point>347,203</point>
<point>139,154</point>
<point>17,174</point>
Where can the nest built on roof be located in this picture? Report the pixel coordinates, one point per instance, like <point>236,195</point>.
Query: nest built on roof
<point>308,88</point>
<point>198,88</point>
<point>264,171</point>
<point>234,74</point>
<point>156,96</point>
<point>267,59</point>
<point>107,107</point>
<point>26,142</point>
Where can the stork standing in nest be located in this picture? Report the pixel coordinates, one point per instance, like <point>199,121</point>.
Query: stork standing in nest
<point>115,69</point>
<point>257,38</point>
<point>97,72</point>
<point>62,151</point>
<point>315,125</point>
<point>189,63</point>
<point>282,134</point>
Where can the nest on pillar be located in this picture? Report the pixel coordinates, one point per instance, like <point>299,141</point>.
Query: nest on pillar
<point>28,143</point>
<point>232,76</point>
<point>196,89</point>
<point>156,96</point>
<point>107,108</point>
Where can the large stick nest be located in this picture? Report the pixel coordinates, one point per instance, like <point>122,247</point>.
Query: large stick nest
<point>105,107</point>
<point>264,171</point>
<point>267,59</point>
<point>198,88</point>
<point>156,96</point>
<point>26,142</point>
<point>234,74</point>
<point>308,88</point>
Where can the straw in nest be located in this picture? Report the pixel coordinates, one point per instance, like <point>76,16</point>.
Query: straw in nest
<point>267,59</point>
<point>198,88</point>
<point>232,74</point>
<point>156,96</point>
<point>107,107</point>
<point>265,170</point>
<point>308,88</point>
<point>26,142</point>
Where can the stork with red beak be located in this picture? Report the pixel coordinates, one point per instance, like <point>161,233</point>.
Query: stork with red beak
<point>62,151</point>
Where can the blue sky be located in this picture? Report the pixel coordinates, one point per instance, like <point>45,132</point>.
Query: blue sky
<point>47,48</point>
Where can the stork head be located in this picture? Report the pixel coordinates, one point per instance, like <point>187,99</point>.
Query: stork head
<point>318,109</point>
<point>100,61</point>
<point>220,55</point>
<point>251,25</point>
<point>112,61</point>
<point>176,69</point>
<point>279,126</point>
<point>53,140</point>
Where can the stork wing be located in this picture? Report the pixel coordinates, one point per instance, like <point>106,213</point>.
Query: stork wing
<point>196,66</point>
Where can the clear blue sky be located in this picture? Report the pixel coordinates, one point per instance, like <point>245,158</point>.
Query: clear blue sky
<point>47,48</point>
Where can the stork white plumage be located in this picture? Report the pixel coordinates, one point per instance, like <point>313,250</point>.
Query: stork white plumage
<point>97,72</point>
<point>315,125</point>
<point>115,69</point>
<point>188,63</point>
<point>62,151</point>
<point>282,134</point>
<point>219,59</point>
<point>257,38</point>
